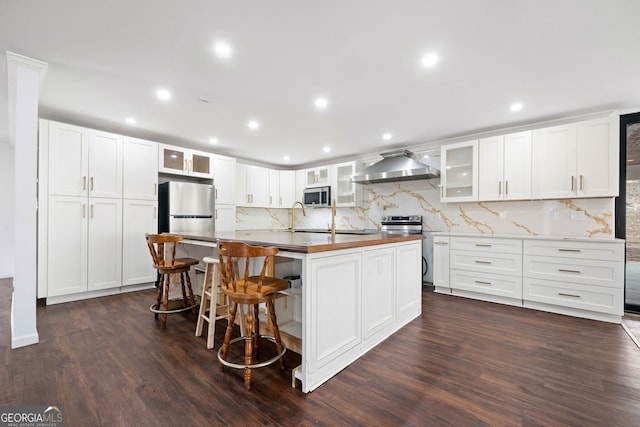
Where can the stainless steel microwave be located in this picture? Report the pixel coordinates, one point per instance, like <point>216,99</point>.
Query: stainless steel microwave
<point>317,197</point>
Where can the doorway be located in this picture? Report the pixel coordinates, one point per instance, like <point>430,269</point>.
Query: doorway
<point>628,207</point>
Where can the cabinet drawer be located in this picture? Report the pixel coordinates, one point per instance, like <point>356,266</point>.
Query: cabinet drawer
<point>485,283</point>
<point>609,251</point>
<point>584,297</point>
<point>588,272</point>
<point>480,244</point>
<point>495,263</point>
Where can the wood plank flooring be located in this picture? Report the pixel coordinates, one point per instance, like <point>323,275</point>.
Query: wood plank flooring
<point>462,363</point>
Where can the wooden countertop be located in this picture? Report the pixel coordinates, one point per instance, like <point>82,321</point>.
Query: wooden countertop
<point>302,242</point>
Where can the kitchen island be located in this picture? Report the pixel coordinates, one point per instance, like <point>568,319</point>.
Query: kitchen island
<point>356,291</point>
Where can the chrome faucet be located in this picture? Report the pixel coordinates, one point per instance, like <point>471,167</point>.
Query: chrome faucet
<point>293,215</point>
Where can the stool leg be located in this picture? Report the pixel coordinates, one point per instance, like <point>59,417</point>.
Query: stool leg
<point>160,284</point>
<point>248,348</point>
<point>212,283</point>
<point>227,335</point>
<point>203,307</point>
<point>191,297</point>
<point>276,331</point>
<point>165,302</point>
<point>182,288</point>
<point>256,328</point>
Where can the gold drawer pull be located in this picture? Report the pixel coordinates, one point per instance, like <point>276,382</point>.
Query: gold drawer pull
<point>441,243</point>
<point>483,245</point>
<point>569,271</point>
<point>568,295</point>
<point>480,282</point>
<point>568,250</point>
<point>483,262</point>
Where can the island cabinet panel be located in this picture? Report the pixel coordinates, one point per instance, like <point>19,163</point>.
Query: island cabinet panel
<point>335,307</point>
<point>409,280</point>
<point>379,284</point>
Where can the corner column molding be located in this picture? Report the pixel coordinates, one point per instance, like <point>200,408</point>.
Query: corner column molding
<point>25,78</point>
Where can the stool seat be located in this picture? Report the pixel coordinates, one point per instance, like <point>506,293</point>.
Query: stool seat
<point>162,248</point>
<point>236,262</point>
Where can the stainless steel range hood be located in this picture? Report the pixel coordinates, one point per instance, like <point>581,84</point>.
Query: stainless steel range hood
<point>395,166</point>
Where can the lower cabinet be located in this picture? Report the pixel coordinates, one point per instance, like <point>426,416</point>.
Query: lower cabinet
<point>84,246</point>
<point>579,278</point>
<point>140,217</point>
<point>441,264</point>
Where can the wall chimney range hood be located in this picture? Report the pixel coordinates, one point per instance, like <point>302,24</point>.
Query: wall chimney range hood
<point>395,166</point>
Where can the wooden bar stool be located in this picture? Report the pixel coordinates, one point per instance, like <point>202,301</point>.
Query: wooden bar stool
<point>211,300</point>
<point>242,288</point>
<point>163,252</point>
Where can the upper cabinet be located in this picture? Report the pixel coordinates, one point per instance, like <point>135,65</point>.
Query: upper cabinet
<point>224,178</point>
<point>252,186</point>
<point>140,176</point>
<point>84,162</point>
<point>184,161</point>
<point>344,191</point>
<point>505,167</point>
<point>287,188</point>
<point>318,177</point>
<point>459,175</point>
<point>576,160</point>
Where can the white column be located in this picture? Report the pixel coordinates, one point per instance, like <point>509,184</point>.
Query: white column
<point>25,77</point>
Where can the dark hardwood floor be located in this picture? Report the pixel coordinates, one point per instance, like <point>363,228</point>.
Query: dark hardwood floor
<point>461,363</point>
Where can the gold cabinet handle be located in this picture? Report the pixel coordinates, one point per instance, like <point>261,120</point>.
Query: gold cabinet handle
<point>568,250</point>
<point>84,210</point>
<point>91,184</point>
<point>499,188</point>
<point>506,188</point>
<point>184,167</point>
<point>270,200</point>
<point>190,165</point>
<point>441,243</point>
<point>563,270</point>
<point>84,183</point>
<point>581,182</point>
<point>155,188</point>
<point>91,214</point>
<point>483,262</point>
<point>573,183</point>
<point>483,245</point>
<point>216,214</point>
<point>480,282</point>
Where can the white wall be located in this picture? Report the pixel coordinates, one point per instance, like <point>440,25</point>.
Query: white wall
<point>6,210</point>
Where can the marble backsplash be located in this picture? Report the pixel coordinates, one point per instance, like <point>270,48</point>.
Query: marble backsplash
<point>559,218</point>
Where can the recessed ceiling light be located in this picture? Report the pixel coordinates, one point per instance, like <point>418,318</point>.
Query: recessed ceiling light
<point>130,120</point>
<point>253,125</point>
<point>286,158</point>
<point>516,107</point>
<point>213,140</point>
<point>321,103</point>
<point>429,60</point>
<point>163,94</point>
<point>326,149</point>
<point>222,49</point>
<point>387,136</point>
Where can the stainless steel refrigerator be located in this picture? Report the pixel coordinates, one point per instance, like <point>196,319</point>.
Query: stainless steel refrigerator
<point>186,207</point>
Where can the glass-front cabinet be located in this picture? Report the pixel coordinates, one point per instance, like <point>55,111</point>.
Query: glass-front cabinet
<point>183,161</point>
<point>344,190</point>
<point>459,175</point>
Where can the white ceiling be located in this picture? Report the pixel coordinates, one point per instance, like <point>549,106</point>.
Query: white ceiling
<point>107,58</point>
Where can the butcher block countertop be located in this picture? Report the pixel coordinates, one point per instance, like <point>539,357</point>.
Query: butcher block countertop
<point>303,242</point>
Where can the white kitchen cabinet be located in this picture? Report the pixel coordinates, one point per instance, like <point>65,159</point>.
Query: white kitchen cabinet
<point>441,264</point>
<point>287,188</point>
<point>379,292</point>
<point>345,192</point>
<point>66,245</point>
<point>224,177</point>
<point>84,162</point>
<point>459,175</point>
<point>84,245</point>
<point>225,218</point>
<point>318,177</point>
<point>252,186</point>
<point>335,305</point>
<point>301,182</point>
<point>274,189</point>
<point>409,280</point>
<point>104,244</point>
<point>140,172</point>
<point>184,161</point>
<point>505,167</point>
<point>576,160</point>
<point>139,217</point>
<point>583,279</point>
